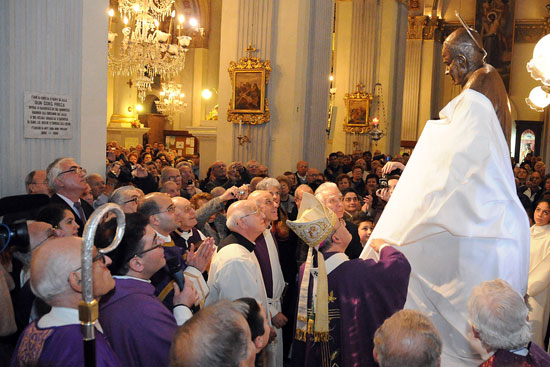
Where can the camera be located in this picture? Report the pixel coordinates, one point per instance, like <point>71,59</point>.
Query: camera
<point>15,210</point>
<point>383,182</point>
<point>15,235</point>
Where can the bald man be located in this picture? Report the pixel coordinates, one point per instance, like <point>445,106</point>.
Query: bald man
<point>235,271</point>
<point>56,339</point>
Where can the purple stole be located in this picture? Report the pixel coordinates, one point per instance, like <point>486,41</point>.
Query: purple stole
<point>59,346</point>
<point>262,254</point>
<point>536,357</point>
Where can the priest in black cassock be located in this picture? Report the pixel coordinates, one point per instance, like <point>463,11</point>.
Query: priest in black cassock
<point>341,301</point>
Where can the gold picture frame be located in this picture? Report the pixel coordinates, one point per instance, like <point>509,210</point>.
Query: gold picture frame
<point>358,105</point>
<point>249,79</point>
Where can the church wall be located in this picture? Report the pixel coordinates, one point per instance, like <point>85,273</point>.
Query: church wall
<point>51,47</point>
<point>341,73</point>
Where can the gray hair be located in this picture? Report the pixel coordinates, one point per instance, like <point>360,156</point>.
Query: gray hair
<point>499,315</point>
<point>53,170</point>
<point>235,212</point>
<point>323,188</point>
<point>267,182</point>
<point>408,338</point>
<point>50,269</point>
<point>218,335</point>
<point>28,181</point>
<point>164,174</point>
<point>120,195</point>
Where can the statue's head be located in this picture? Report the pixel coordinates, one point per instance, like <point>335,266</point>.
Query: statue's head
<point>462,53</point>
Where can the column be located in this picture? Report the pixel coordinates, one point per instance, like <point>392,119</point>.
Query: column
<point>296,38</point>
<point>56,47</point>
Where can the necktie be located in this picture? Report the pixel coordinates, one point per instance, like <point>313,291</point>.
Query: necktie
<point>80,211</point>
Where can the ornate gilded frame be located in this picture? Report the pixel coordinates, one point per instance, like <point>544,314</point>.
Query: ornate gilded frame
<point>358,105</point>
<point>247,106</point>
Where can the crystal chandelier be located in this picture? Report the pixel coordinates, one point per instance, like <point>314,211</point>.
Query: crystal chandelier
<point>171,99</point>
<point>146,50</point>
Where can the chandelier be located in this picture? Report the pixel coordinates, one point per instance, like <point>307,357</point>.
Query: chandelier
<point>146,50</point>
<point>171,99</point>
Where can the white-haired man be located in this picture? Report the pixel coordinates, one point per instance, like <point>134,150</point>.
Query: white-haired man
<point>56,339</point>
<point>407,338</point>
<point>268,258</point>
<point>498,316</point>
<point>329,194</point>
<point>235,271</point>
<point>68,181</point>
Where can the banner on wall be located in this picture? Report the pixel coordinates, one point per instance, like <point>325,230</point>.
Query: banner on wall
<point>48,116</point>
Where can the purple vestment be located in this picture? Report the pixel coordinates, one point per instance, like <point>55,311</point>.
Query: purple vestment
<point>362,294</point>
<point>262,254</point>
<point>138,325</point>
<point>536,357</point>
<point>59,346</point>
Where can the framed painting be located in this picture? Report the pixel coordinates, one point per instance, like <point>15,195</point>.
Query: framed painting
<point>495,23</point>
<point>249,78</point>
<point>357,112</point>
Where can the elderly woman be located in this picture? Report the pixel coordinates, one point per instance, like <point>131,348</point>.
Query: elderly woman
<point>287,200</point>
<point>127,197</point>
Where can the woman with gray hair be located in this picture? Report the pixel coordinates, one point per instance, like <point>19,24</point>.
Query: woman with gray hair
<point>127,197</point>
<point>498,316</point>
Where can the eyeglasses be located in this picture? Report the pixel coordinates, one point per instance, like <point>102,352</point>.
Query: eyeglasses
<point>40,183</point>
<point>99,257</point>
<point>249,214</point>
<point>135,200</point>
<point>157,242</point>
<point>77,170</point>
<point>170,209</point>
<point>173,178</point>
<point>49,234</point>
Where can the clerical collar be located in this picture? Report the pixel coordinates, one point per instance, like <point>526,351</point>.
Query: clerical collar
<point>164,238</point>
<point>62,316</point>
<point>129,277</point>
<point>185,234</point>
<point>243,241</point>
<point>521,351</point>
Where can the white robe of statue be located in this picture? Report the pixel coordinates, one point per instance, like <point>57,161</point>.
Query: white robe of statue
<point>539,282</point>
<point>456,213</point>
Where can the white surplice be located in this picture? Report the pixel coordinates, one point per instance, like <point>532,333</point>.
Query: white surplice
<point>539,282</point>
<point>456,213</point>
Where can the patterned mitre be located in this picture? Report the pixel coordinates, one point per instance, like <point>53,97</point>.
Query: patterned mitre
<point>314,224</point>
<point>315,221</point>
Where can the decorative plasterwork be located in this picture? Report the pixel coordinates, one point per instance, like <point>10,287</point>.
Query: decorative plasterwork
<point>529,31</point>
<point>424,27</point>
<point>416,27</point>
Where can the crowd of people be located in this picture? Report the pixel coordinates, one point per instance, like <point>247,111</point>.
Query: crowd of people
<point>271,267</point>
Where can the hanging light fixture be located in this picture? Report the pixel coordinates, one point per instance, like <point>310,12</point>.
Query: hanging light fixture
<point>171,99</point>
<point>375,132</point>
<point>146,50</point>
<point>539,68</point>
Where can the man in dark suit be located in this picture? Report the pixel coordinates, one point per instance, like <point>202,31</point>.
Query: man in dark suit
<point>68,181</point>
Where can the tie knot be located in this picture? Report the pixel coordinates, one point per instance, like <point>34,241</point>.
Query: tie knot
<point>77,204</point>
